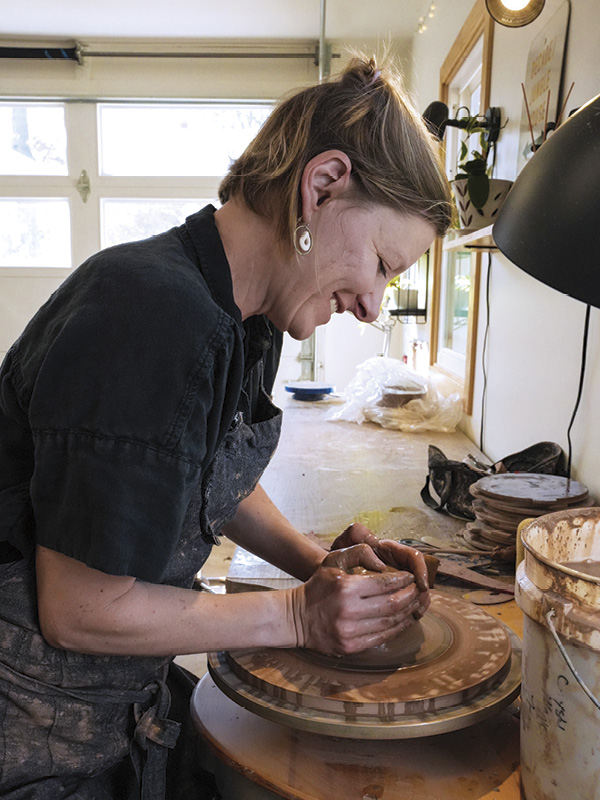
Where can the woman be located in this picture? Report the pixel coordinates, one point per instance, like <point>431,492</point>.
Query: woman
<point>135,426</point>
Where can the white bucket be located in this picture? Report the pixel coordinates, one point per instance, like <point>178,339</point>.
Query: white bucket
<point>560,724</point>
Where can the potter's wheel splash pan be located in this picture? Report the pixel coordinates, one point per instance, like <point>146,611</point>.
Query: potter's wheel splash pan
<point>459,666</point>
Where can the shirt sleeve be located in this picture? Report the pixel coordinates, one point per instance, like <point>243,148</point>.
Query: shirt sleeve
<point>126,408</point>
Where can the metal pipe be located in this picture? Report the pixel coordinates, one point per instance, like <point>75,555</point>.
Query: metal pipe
<point>41,53</point>
<point>77,53</point>
<point>322,43</point>
<point>124,54</point>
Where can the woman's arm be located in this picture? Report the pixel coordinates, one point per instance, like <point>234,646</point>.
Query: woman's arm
<point>262,529</point>
<point>88,611</point>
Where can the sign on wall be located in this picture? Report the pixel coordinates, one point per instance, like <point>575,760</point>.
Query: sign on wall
<point>543,82</point>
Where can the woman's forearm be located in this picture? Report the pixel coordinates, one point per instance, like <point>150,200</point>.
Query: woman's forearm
<point>88,611</point>
<point>262,529</point>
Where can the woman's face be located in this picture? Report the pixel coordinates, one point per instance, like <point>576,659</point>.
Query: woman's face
<point>357,250</point>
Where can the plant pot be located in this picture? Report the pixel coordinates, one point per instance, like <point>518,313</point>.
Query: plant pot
<point>471,218</point>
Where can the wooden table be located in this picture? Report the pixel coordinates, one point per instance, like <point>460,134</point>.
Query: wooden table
<point>324,476</point>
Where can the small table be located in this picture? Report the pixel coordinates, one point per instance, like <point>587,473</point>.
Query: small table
<point>256,759</point>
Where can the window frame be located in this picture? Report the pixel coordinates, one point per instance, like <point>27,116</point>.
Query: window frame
<point>81,122</point>
<point>478,24</point>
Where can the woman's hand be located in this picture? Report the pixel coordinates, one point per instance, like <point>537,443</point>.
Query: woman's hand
<point>339,613</point>
<point>392,554</point>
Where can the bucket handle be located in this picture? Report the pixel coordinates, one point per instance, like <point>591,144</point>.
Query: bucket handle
<point>565,655</point>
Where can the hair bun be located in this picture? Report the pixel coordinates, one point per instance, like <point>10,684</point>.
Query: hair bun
<point>362,70</point>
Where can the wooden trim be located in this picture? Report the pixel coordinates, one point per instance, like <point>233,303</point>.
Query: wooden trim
<point>478,23</point>
<point>436,282</point>
<point>472,334</point>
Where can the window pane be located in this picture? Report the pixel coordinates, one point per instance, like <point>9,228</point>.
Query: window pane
<point>129,220</point>
<point>35,233</point>
<point>175,140</point>
<point>458,289</point>
<point>33,139</point>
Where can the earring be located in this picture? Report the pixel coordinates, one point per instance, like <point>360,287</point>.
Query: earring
<point>302,239</point>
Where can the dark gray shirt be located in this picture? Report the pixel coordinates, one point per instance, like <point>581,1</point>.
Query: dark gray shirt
<point>117,395</point>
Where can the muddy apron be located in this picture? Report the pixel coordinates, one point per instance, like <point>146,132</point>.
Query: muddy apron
<point>69,721</point>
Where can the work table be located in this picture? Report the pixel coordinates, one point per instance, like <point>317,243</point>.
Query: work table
<point>324,476</point>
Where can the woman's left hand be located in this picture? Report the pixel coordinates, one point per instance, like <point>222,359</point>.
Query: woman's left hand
<point>392,553</point>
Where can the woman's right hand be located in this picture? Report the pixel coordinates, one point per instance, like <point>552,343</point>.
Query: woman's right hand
<point>338,613</point>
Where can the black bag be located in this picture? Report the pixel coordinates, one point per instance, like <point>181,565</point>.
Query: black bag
<point>451,479</point>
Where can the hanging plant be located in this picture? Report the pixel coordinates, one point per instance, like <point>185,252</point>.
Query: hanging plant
<point>472,165</point>
<point>478,196</point>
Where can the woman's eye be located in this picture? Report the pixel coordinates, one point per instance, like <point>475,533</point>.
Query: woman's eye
<point>382,268</point>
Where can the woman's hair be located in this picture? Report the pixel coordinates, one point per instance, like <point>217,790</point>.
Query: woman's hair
<point>365,113</point>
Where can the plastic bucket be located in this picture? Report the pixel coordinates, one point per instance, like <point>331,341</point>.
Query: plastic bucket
<point>560,721</point>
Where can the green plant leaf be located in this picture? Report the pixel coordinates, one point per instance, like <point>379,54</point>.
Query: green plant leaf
<point>474,167</point>
<point>478,186</point>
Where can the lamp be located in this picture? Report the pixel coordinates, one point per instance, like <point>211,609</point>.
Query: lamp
<point>437,120</point>
<point>549,225</point>
<point>514,13</point>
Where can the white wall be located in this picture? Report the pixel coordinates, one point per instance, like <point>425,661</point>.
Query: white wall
<point>535,332</point>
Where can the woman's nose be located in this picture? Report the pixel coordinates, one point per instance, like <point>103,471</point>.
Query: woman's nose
<point>366,307</point>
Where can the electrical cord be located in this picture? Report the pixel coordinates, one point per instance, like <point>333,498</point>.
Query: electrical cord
<point>484,350</point>
<point>586,329</point>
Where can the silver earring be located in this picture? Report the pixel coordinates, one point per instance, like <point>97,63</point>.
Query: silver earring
<point>302,239</point>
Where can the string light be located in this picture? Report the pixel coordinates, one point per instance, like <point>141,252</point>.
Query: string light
<point>423,20</point>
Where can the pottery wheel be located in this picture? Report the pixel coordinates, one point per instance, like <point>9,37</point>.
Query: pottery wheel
<point>452,668</point>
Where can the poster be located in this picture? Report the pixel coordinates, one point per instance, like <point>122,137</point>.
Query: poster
<point>543,81</point>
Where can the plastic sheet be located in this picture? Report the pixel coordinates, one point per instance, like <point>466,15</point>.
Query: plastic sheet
<point>387,392</point>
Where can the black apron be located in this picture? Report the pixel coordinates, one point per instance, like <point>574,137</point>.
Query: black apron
<point>70,721</point>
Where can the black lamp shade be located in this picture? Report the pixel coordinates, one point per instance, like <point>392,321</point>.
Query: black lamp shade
<point>549,224</point>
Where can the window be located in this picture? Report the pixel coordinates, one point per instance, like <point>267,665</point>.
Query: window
<point>33,139</point>
<point>464,81</point>
<point>78,176</point>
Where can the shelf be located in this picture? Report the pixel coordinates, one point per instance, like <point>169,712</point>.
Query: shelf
<point>480,240</point>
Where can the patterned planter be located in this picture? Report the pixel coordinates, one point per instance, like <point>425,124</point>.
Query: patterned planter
<point>471,218</point>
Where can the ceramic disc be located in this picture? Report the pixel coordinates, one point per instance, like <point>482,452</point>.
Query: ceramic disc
<point>538,490</point>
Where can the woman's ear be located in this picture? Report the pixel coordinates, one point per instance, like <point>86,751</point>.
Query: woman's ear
<point>326,176</point>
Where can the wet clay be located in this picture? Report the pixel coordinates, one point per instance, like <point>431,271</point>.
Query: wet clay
<point>588,567</point>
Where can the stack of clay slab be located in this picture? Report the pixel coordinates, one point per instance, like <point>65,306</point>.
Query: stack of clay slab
<point>501,502</point>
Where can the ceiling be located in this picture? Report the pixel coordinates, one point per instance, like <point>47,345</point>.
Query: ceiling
<point>346,20</point>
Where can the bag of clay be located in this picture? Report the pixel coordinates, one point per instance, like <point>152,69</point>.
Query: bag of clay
<point>385,391</point>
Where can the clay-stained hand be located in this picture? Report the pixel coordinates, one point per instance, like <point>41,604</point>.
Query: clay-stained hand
<point>339,613</point>
<point>391,553</point>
